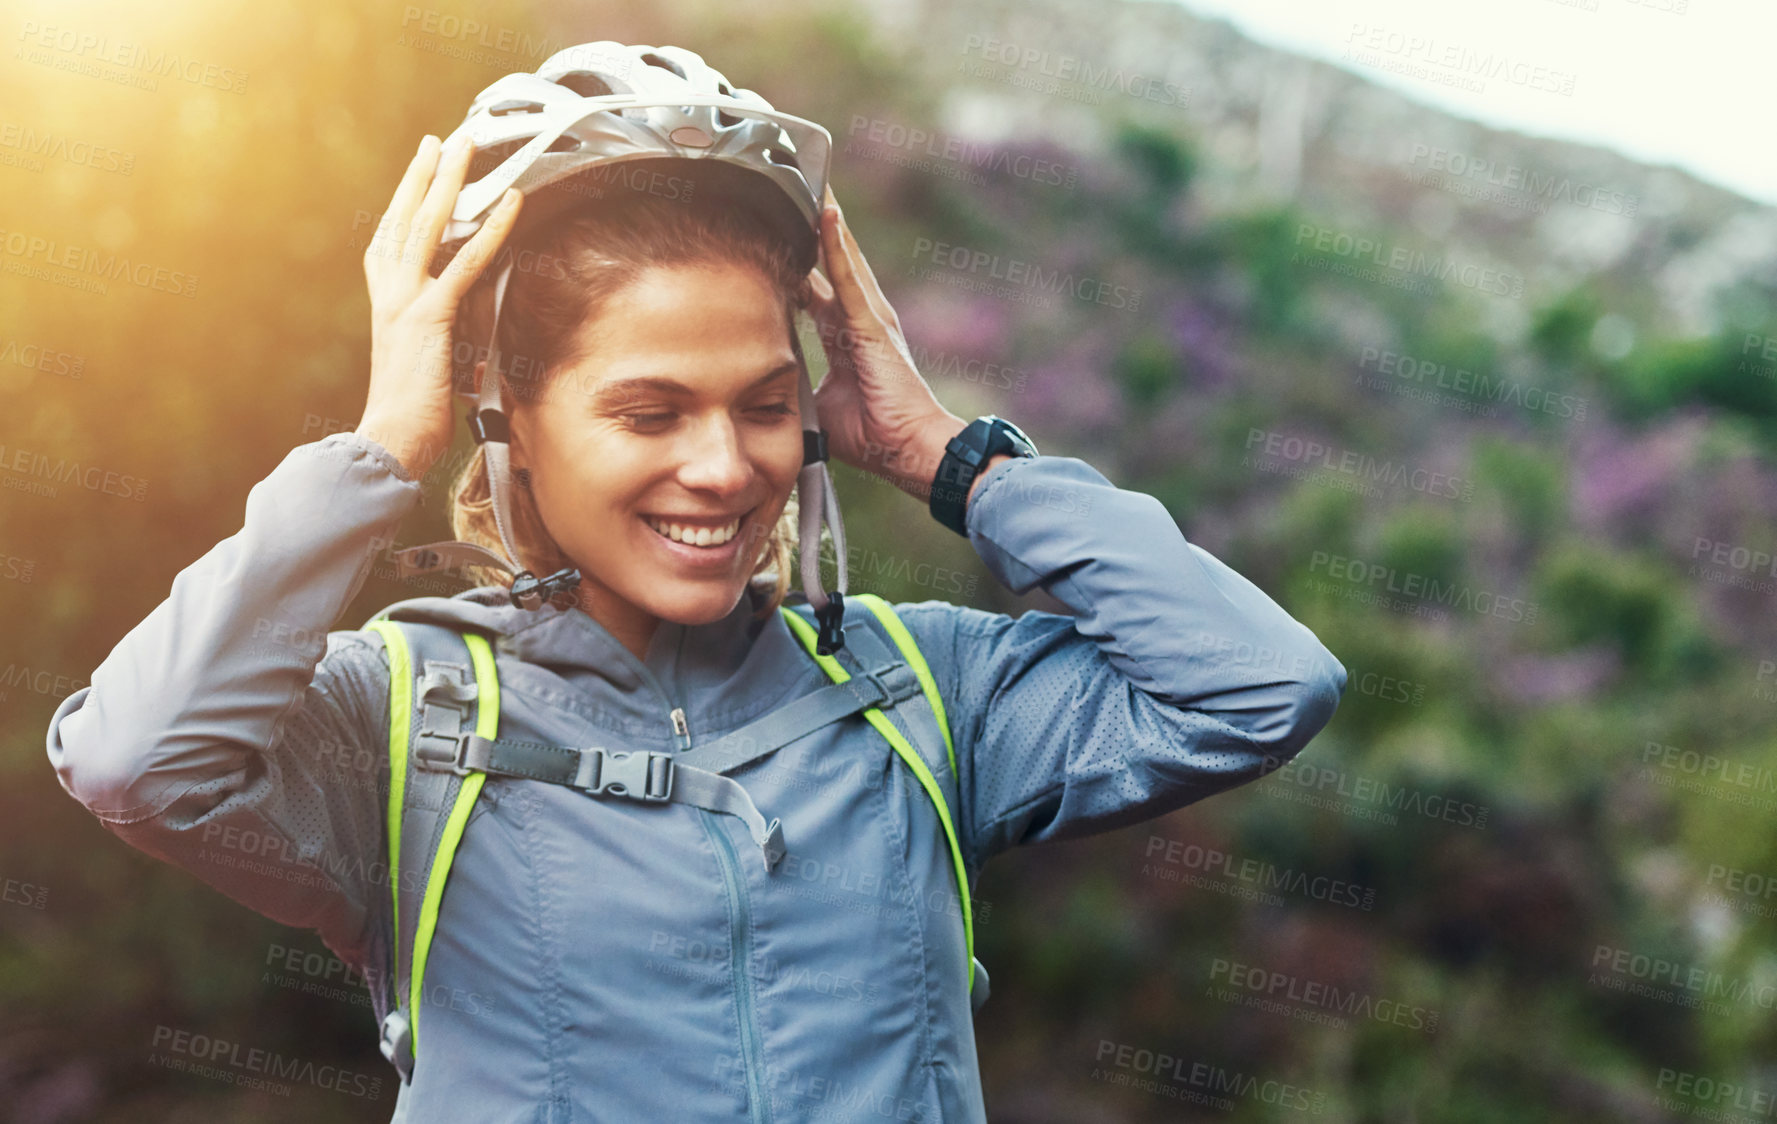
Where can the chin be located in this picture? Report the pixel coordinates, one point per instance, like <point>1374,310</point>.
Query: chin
<point>694,603</point>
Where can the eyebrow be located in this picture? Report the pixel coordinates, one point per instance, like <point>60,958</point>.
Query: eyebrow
<point>623,390</point>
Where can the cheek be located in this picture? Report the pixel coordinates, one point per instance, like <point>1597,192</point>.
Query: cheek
<point>574,470</point>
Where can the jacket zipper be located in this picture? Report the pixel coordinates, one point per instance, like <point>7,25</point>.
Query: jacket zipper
<point>740,954</point>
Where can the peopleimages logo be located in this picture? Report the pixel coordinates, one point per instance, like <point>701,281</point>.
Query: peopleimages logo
<point>1183,1078</point>
<point>1414,263</point>
<point>34,249</point>
<point>1515,178</point>
<point>1360,466</point>
<point>1272,991</point>
<point>230,1061</point>
<point>1190,857</point>
<point>1451,64</point>
<point>964,262</point>
<point>1368,577</point>
<point>955,157</point>
<point>26,471</point>
<point>1477,388</point>
<point>132,64</point>
<point>1072,69</point>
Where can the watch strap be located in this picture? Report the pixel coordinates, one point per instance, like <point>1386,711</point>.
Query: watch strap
<point>980,441</point>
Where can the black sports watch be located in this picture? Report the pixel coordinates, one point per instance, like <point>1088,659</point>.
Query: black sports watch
<point>985,437</point>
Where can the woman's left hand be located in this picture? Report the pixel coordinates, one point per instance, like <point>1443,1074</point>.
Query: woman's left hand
<point>879,413</point>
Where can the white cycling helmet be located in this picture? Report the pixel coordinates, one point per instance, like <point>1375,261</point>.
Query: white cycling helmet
<point>603,103</point>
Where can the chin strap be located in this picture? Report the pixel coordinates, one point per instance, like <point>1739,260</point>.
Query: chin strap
<point>817,503</point>
<point>489,426</point>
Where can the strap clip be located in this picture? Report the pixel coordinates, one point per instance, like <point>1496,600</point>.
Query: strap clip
<point>489,425</point>
<point>645,775</point>
<point>896,681</point>
<point>832,621</point>
<point>440,760</point>
<point>397,1043</point>
<point>446,694</point>
<point>529,591</point>
<point>773,849</point>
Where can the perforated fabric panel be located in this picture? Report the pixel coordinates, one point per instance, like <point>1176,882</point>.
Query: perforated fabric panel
<point>297,833</point>
<point>1053,742</point>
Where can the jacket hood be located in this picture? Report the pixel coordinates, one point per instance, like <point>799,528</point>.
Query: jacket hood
<point>729,670</point>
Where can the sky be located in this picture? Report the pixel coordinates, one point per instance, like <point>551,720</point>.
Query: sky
<point>1687,82</point>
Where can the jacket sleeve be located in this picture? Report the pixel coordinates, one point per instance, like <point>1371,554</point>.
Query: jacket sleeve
<point>1175,677</point>
<point>229,732</point>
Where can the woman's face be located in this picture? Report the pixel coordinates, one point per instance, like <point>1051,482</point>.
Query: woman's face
<point>681,409</point>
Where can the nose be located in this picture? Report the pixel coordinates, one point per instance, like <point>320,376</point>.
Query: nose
<point>713,459</point>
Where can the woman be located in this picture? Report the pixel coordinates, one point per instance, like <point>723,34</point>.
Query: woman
<point>613,957</point>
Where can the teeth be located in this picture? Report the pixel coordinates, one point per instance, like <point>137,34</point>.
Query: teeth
<point>695,536</point>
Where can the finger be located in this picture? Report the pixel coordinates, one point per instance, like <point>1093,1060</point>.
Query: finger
<point>441,196</point>
<point>471,261</point>
<point>413,182</point>
<point>836,257</point>
<point>851,273</point>
<point>392,228</point>
<point>829,315</point>
<point>879,302</point>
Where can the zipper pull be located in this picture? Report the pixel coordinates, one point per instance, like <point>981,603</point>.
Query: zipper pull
<point>681,730</point>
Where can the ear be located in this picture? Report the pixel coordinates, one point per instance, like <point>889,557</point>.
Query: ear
<point>475,382</point>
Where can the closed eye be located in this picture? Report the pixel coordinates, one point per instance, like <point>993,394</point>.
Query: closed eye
<point>659,418</point>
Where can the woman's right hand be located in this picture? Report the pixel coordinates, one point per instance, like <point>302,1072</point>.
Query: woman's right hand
<point>408,411</point>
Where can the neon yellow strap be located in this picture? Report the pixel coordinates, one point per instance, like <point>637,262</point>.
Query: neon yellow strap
<point>806,633</point>
<point>487,719</point>
<point>911,653</point>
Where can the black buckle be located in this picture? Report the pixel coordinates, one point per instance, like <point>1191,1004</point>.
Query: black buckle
<point>832,620</point>
<point>489,425</point>
<point>645,775</point>
<point>529,591</point>
<point>814,446</point>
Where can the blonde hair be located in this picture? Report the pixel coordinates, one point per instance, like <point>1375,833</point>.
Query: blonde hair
<point>565,272</point>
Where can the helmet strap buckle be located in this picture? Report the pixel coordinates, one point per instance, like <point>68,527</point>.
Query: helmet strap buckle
<point>559,589</point>
<point>832,622</point>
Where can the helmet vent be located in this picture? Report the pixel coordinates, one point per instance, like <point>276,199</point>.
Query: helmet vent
<point>653,59</point>
<point>779,156</point>
<point>564,144</point>
<point>514,106</point>
<point>585,83</point>
<point>724,117</point>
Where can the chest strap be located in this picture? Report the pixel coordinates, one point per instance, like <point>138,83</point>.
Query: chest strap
<point>884,685</point>
<point>646,776</point>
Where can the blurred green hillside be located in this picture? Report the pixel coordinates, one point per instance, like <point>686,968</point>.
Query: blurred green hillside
<point>1502,438</point>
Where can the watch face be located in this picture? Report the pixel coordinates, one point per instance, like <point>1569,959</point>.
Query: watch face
<point>1010,433</point>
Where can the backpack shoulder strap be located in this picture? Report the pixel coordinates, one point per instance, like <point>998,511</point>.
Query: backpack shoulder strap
<point>890,623</point>
<point>438,679</point>
<point>918,720</point>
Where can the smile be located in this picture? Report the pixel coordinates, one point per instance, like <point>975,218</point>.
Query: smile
<point>694,534</point>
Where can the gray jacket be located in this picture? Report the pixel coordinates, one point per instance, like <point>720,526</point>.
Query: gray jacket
<point>600,959</point>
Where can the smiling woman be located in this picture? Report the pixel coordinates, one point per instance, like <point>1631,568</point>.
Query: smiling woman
<point>659,395</point>
<point>582,848</point>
